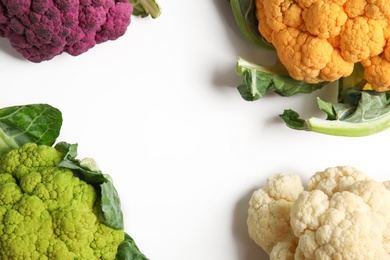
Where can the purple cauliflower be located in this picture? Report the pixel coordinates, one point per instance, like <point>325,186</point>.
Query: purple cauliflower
<point>41,29</point>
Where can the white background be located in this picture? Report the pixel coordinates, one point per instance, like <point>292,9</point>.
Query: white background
<point>159,111</point>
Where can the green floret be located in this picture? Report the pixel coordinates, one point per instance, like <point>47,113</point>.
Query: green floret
<point>46,212</point>
<point>29,157</point>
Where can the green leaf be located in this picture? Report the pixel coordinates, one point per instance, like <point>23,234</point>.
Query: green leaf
<point>144,8</point>
<point>38,123</point>
<point>258,80</point>
<point>244,12</point>
<point>111,212</point>
<point>291,118</point>
<point>110,205</point>
<point>370,115</point>
<point>128,250</point>
<point>328,108</point>
<point>372,105</point>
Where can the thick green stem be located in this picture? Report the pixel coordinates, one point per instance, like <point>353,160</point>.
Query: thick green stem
<point>144,8</point>
<point>343,128</point>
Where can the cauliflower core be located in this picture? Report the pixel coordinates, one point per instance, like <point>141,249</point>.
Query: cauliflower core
<point>321,40</point>
<point>343,214</point>
<point>47,213</point>
<point>40,30</point>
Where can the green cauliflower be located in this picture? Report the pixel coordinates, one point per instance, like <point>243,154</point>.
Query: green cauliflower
<point>47,212</point>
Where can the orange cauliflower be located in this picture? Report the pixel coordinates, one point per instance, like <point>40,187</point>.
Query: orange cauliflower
<point>321,40</point>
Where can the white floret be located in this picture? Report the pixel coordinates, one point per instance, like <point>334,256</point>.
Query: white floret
<point>269,211</point>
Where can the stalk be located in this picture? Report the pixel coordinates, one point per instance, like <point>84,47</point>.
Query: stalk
<point>144,8</point>
<point>344,128</point>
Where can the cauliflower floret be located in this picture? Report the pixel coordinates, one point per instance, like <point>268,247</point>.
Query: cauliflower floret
<point>362,38</point>
<point>307,57</point>
<point>336,33</point>
<point>283,250</point>
<point>377,72</point>
<point>344,225</point>
<point>268,215</point>
<point>48,213</point>
<point>335,179</point>
<point>324,19</point>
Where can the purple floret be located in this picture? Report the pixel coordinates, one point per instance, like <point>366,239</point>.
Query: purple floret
<point>42,29</point>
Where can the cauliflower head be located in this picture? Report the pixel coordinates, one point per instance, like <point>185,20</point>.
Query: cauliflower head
<point>40,30</point>
<point>321,40</point>
<point>48,213</point>
<point>342,214</point>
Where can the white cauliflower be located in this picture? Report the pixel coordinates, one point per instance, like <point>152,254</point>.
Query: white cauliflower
<point>341,215</point>
<point>269,214</point>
